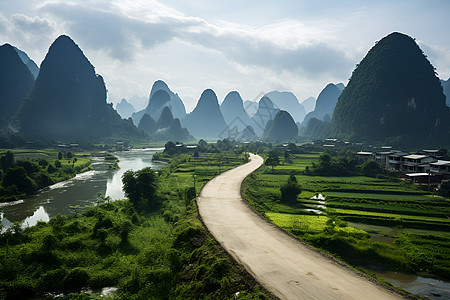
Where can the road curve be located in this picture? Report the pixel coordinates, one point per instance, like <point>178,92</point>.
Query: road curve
<point>282,264</point>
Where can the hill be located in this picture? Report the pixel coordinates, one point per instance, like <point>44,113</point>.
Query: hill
<point>288,102</point>
<point>309,104</point>
<point>266,112</point>
<point>393,97</point>
<point>31,65</point>
<point>125,108</point>
<point>15,81</point>
<point>325,103</point>
<point>282,128</point>
<point>233,112</point>
<point>68,101</point>
<point>206,120</point>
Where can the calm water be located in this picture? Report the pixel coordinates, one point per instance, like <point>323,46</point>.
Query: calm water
<point>81,190</point>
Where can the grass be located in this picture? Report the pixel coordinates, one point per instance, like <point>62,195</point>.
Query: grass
<point>163,254</point>
<point>416,220</point>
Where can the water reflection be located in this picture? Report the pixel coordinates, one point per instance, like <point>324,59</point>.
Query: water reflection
<point>81,190</point>
<point>38,216</point>
<point>424,287</point>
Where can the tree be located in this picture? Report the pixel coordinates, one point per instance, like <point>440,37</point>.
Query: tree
<point>290,190</point>
<point>272,159</point>
<point>371,168</point>
<point>140,187</point>
<point>18,177</point>
<point>7,160</point>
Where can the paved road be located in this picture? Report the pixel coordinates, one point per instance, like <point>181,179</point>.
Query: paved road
<point>283,265</point>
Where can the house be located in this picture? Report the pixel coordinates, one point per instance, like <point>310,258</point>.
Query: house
<point>440,167</point>
<point>363,156</point>
<point>382,158</point>
<point>416,163</point>
<point>396,160</point>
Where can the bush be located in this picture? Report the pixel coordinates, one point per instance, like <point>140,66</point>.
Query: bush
<point>290,190</point>
<point>76,278</point>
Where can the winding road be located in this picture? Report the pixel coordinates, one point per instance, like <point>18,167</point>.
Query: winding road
<point>282,264</point>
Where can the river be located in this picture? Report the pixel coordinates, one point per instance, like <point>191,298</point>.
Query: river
<point>82,190</point>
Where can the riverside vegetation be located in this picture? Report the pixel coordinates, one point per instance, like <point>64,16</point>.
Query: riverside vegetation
<point>368,217</point>
<point>24,172</point>
<point>152,246</point>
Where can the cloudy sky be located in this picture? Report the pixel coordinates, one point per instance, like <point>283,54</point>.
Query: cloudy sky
<point>249,46</point>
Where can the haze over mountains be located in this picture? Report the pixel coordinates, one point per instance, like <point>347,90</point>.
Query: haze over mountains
<point>392,96</point>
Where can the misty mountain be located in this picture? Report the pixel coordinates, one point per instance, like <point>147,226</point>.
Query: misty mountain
<point>233,112</point>
<point>125,109</point>
<point>288,102</point>
<point>68,100</point>
<point>266,112</point>
<point>340,86</point>
<point>32,66</point>
<point>15,81</point>
<point>147,124</point>
<point>165,129</point>
<point>176,105</point>
<point>325,104</point>
<point>309,104</point>
<point>282,128</point>
<point>250,107</point>
<point>160,97</point>
<point>393,97</point>
<point>206,120</point>
<point>446,88</point>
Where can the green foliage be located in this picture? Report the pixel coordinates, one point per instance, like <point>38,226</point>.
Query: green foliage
<point>371,168</point>
<point>357,208</point>
<point>272,159</point>
<point>140,187</point>
<point>7,160</point>
<point>290,190</point>
<point>18,177</point>
<point>393,85</point>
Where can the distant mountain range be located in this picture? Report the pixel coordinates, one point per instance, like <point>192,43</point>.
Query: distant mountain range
<point>393,97</point>
<point>288,102</point>
<point>125,109</point>
<point>325,103</point>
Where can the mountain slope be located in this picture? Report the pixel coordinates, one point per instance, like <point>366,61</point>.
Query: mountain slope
<point>393,96</point>
<point>68,100</point>
<point>31,65</point>
<point>234,113</point>
<point>282,128</point>
<point>206,120</point>
<point>309,104</point>
<point>125,108</point>
<point>266,112</point>
<point>15,81</point>
<point>288,102</point>
<point>325,104</point>
<point>446,88</point>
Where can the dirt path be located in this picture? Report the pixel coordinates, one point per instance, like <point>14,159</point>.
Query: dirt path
<point>283,265</point>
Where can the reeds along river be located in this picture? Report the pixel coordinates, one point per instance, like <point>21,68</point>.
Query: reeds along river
<point>82,190</point>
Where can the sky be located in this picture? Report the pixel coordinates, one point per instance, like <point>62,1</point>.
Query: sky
<point>253,47</point>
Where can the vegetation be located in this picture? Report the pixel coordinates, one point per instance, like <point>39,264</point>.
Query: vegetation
<point>393,84</point>
<point>366,221</point>
<point>159,253</point>
<point>34,170</point>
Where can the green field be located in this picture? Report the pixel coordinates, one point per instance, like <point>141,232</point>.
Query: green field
<point>415,222</point>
